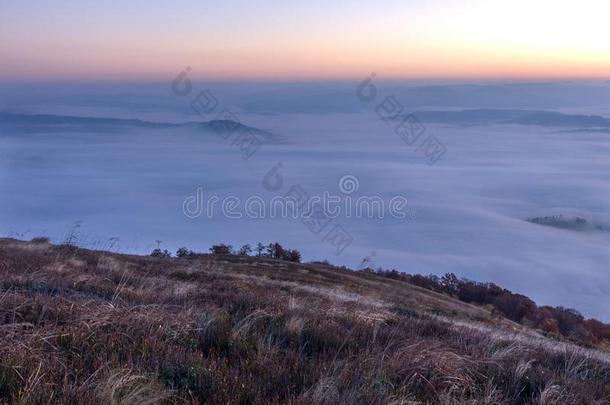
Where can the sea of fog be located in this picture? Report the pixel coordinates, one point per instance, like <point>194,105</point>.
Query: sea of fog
<point>123,185</point>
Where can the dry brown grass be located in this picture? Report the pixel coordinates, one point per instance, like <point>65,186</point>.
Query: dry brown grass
<point>88,327</point>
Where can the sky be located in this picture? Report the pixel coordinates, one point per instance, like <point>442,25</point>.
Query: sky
<point>271,39</point>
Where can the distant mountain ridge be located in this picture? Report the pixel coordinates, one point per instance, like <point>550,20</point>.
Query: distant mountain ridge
<point>514,117</point>
<point>341,97</point>
<point>52,123</point>
<point>49,119</point>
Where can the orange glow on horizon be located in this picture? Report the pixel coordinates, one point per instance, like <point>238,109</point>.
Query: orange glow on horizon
<point>440,39</point>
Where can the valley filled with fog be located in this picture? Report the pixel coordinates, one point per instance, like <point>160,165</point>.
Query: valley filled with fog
<point>118,176</point>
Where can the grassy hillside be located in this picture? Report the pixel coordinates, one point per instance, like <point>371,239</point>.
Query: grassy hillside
<point>90,327</point>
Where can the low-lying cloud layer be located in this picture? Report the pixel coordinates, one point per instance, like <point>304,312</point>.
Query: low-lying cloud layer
<point>130,179</point>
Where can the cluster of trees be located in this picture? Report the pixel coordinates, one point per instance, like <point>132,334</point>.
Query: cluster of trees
<point>272,250</point>
<point>519,308</point>
<point>161,253</point>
